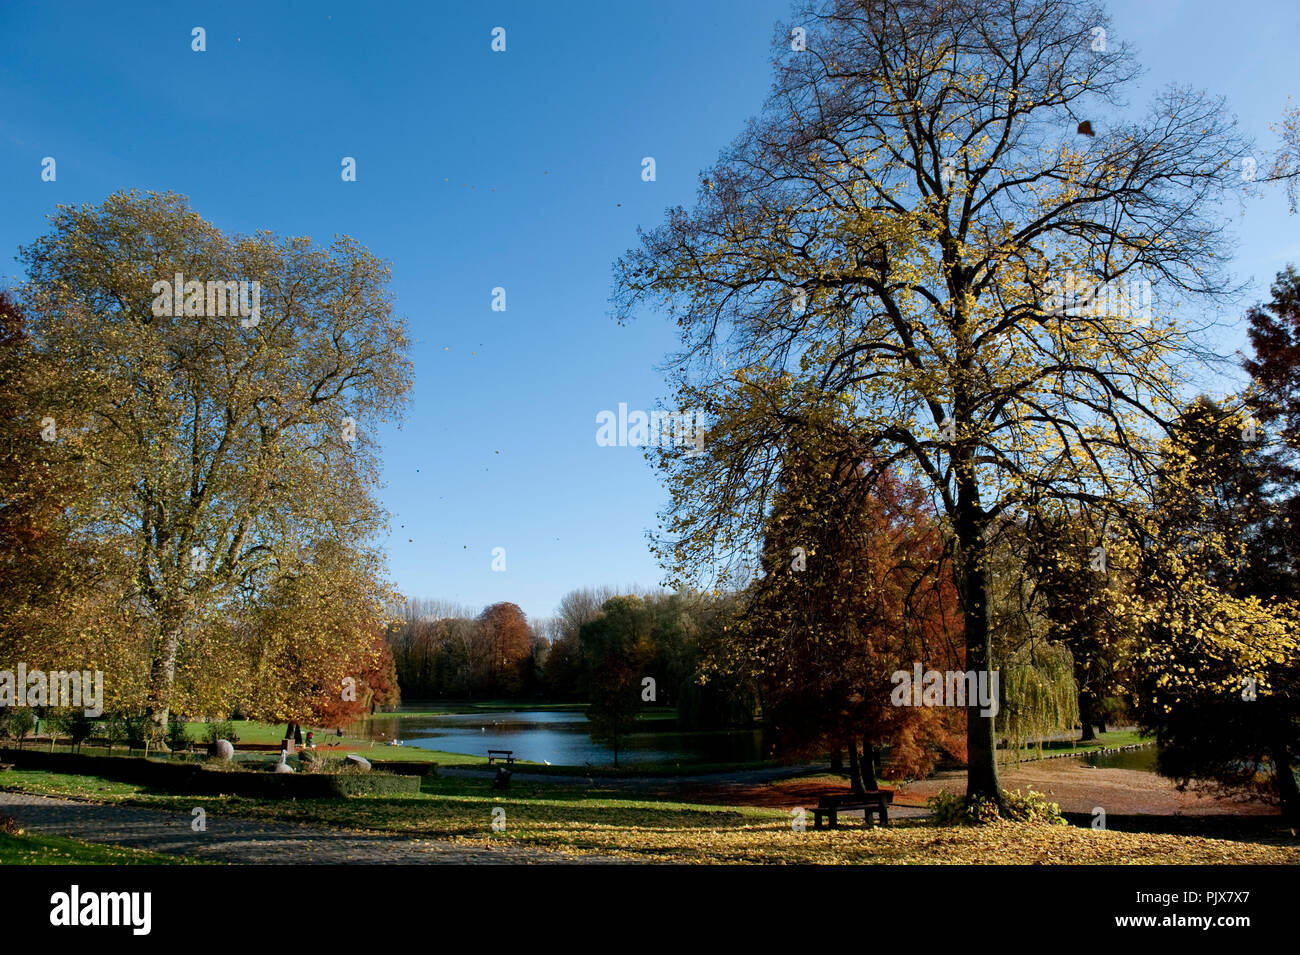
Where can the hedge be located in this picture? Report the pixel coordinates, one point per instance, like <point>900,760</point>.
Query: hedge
<point>200,779</point>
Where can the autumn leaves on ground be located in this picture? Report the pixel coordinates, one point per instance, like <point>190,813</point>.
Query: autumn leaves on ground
<point>702,823</point>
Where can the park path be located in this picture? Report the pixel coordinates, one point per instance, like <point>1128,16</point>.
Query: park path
<point>772,787</point>
<point>254,842</point>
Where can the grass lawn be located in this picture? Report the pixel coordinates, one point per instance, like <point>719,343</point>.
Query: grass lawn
<point>250,731</point>
<point>1108,740</point>
<point>636,827</point>
<point>39,849</point>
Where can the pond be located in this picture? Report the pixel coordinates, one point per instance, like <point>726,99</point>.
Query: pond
<point>561,738</point>
<point>1143,759</point>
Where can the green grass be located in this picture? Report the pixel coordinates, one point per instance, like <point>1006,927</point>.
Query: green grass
<point>251,731</point>
<point>1109,740</point>
<point>40,849</point>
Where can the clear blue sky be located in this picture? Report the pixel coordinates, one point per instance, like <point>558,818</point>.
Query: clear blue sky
<point>478,169</point>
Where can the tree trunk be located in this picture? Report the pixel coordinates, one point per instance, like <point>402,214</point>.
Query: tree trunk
<point>1086,712</point>
<point>162,671</point>
<point>837,760</point>
<point>1284,773</point>
<point>855,768</point>
<point>981,745</point>
<point>869,766</point>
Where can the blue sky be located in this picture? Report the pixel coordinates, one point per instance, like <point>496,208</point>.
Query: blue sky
<point>478,169</point>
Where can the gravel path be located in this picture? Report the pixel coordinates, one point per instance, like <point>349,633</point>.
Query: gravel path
<point>232,839</point>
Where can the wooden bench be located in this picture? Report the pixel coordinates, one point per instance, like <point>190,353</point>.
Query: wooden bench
<point>507,754</point>
<point>877,801</point>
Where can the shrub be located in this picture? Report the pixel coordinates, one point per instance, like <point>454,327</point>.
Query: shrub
<point>950,809</point>
<point>221,730</point>
<point>21,722</point>
<point>136,729</point>
<point>372,784</point>
<point>188,777</point>
<point>74,723</point>
<point>1032,807</point>
<point>114,729</point>
<point>178,737</point>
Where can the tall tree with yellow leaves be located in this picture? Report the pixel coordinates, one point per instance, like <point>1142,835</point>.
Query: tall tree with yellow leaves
<point>916,231</point>
<point>1219,663</point>
<point>221,426</point>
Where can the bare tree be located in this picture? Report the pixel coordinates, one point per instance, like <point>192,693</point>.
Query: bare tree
<point>919,242</point>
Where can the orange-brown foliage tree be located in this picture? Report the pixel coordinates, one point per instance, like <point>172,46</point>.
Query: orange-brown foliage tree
<point>855,587</point>
<point>506,649</point>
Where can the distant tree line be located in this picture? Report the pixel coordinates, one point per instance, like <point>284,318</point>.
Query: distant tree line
<point>660,642</point>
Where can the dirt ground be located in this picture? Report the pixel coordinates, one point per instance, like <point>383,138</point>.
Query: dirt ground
<point>1075,786</point>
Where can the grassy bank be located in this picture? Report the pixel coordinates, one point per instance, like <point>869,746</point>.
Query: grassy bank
<point>37,849</point>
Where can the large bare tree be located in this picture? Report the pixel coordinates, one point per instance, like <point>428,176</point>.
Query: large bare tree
<point>944,224</point>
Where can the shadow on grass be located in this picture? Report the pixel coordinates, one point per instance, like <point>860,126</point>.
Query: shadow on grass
<point>1266,830</point>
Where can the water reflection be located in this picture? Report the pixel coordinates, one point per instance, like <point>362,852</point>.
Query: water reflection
<point>561,738</point>
<point>1143,759</point>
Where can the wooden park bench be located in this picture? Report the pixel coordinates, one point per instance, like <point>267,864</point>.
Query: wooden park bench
<point>877,801</point>
<point>507,754</point>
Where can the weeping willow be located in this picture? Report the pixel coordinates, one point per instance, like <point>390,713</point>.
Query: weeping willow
<point>1039,698</point>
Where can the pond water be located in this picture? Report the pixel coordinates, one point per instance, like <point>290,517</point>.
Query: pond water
<point>561,738</point>
<point>1143,759</point>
